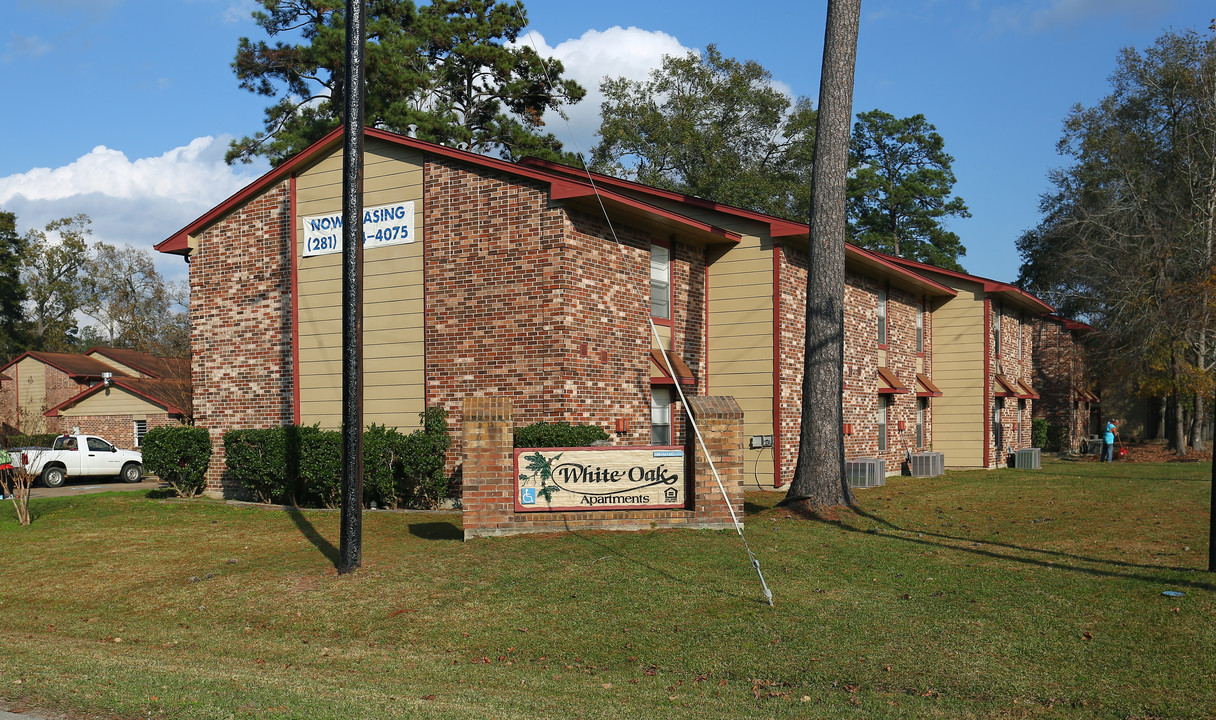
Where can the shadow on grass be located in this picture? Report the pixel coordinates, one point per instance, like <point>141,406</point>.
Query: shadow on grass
<point>436,531</point>
<point>931,539</point>
<point>310,533</point>
<point>161,494</point>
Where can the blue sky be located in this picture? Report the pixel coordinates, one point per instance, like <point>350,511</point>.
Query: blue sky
<point>123,108</point>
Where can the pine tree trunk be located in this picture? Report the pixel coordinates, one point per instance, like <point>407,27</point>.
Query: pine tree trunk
<point>819,481</point>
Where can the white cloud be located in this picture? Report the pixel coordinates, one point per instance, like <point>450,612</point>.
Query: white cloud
<point>1038,16</point>
<point>615,52</point>
<point>137,202</point>
<point>20,46</point>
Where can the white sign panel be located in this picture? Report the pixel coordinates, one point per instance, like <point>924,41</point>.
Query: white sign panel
<point>382,225</point>
<point>608,478</point>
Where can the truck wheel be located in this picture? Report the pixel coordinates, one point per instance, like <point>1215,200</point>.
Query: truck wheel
<point>53,477</point>
<point>132,472</point>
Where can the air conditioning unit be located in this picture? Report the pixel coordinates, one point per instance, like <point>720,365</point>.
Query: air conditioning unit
<point>927,464</point>
<point>1028,459</point>
<point>866,472</point>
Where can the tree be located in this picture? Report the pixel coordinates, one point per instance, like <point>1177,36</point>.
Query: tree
<point>819,480</point>
<point>713,127</point>
<point>899,190</point>
<point>13,326</point>
<point>133,305</point>
<point>57,278</point>
<point>445,68</point>
<point>1128,239</point>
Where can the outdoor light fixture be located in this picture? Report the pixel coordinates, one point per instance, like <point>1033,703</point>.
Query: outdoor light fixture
<point>107,378</point>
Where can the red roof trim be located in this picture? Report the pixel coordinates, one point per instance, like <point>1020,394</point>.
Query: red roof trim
<point>42,358</point>
<point>990,286</point>
<point>1009,389</point>
<point>893,384</point>
<point>116,382</point>
<point>930,390</point>
<point>561,187</point>
<point>1027,393</point>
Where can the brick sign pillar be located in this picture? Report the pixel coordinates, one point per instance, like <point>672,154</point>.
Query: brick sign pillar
<point>488,477</point>
<point>721,422</point>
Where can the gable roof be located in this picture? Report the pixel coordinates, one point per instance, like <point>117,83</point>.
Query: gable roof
<point>146,363</point>
<point>1013,293</point>
<point>561,187</point>
<point>73,365</point>
<point>168,394</point>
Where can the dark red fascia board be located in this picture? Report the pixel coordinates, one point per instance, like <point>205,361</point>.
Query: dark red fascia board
<point>990,285</point>
<point>561,187</point>
<point>116,382</point>
<point>779,227</point>
<point>1071,325</point>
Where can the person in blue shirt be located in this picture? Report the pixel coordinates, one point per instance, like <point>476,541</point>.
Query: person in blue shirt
<point>1108,441</point>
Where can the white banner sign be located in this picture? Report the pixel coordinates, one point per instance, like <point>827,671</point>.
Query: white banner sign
<point>382,225</point>
<point>608,478</point>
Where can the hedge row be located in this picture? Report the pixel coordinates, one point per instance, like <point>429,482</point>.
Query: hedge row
<point>178,455</point>
<point>559,434</point>
<point>303,465</point>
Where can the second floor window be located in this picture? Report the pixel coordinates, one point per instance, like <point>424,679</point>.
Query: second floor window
<point>996,332</point>
<point>660,282</point>
<point>882,317</point>
<point>920,327</point>
<point>660,416</point>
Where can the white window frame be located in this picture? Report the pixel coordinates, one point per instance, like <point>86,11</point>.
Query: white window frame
<point>882,317</point>
<point>884,410</point>
<point>660,416</point>
<point>920,327</point>
<point>922,404</point>
<point>660,282</point>
<point>141,429</point>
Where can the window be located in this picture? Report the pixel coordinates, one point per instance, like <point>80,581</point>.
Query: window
<point>660,282</point>
<point>1021,409</point>
<point>996,330</point>
<point>884,405</point>
<point>98,445</point>
<point>998,436</point>
<point>660,416</point>
<point>922,404</point>
<point>1020,318</point>
<point>141,429</point>
<point>882,317</point>
<point>920,327</point>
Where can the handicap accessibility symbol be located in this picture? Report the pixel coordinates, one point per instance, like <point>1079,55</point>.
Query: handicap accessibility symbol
<point>527,496</point>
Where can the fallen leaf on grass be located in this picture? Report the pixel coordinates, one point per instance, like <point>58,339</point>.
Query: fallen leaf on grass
<point>1087,635</point>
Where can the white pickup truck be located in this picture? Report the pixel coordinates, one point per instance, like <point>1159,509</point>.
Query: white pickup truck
<point>80,456</point>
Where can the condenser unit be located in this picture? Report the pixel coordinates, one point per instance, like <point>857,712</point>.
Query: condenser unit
<point>927,464</point>
<point>1028,459</point>
<point>866,472</point>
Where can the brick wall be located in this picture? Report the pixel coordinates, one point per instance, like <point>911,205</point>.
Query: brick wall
<point>240,316</point>
<point>1015,361</point>
<point>537,303</point>
<point>489,480</point>
<point>861,362</point>
<point>118,429</point>
<point>1060,368</point>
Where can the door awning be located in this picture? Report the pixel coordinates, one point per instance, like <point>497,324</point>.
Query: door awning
<point>1025,392</point>
<point>1005,387</point>
<point>889,384</point>
<point>925,387</point>
<point>661,374</point>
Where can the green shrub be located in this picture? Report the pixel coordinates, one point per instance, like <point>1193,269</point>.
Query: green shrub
<point>316,457</point>
<point>38,440</point>
<point>304,464</point>
<point>1038,433</point>
<point>178,455</point>
<point>1057,437</point>
<point>559,434</point>
<point>424,482</point>
<point>257,459</point>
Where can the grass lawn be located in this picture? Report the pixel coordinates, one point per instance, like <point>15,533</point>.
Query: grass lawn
<point>1003,594</point>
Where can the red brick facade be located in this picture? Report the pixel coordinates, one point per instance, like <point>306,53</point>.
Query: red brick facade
<point>862,354</point>
<point>1062,378</point>
<point>539,304</point>
<point>240,316</point>
<point>1012,356</point>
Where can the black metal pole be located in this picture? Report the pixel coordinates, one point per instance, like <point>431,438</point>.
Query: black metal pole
<point>351,550</point>
<point>1212,520</point>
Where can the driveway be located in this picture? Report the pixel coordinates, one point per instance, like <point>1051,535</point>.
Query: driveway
<point>85,486</point>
